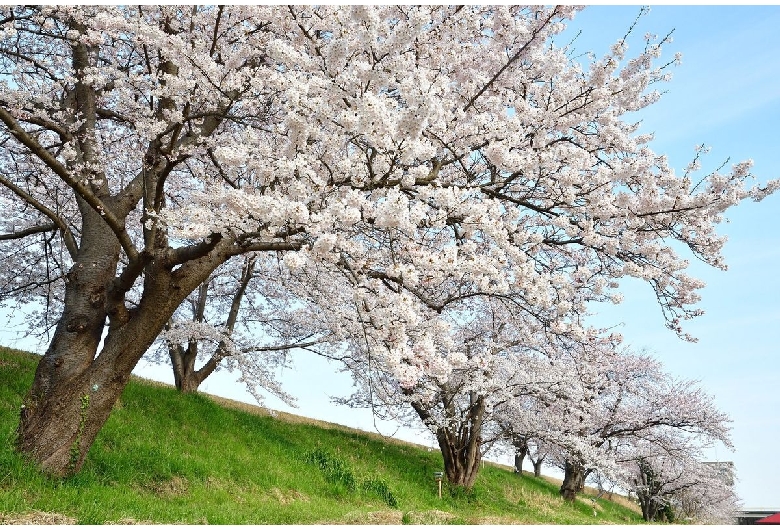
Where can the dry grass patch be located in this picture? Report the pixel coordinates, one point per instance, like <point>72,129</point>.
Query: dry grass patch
<point>591,492</point>
<point>430,517</point>
<point>372,518</point>
<point>622,500</point>
<point>129,521</point>
<point>500,520</point>
<point>287,497</point>
<point>36,518</point>
<point>175,487</point>
<point>544,504</point>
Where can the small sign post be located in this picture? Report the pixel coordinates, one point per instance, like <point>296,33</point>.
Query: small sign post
<point>439,476</point>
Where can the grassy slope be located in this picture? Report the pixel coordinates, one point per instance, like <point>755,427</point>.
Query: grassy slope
<point>164,458</point>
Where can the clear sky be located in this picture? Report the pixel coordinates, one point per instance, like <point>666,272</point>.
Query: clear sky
<point>725,94</point>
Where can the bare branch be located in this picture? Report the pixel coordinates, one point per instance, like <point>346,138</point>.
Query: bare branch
<point>19,234</point>
<point>80,188</point>
<point>70,241</point>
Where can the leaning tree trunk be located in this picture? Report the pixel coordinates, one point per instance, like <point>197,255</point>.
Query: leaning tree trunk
<point>75,387</point>
<point>573,480</point>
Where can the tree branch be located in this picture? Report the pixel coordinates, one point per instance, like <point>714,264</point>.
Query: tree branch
<point>512,59</point>
<point>28,232</point>
<point>80,188</point>
<point>70,241</point>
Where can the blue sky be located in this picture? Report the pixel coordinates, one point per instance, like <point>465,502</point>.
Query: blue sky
<point>726,94</point>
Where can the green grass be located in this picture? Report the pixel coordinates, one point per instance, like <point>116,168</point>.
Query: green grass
<point>169,458</point>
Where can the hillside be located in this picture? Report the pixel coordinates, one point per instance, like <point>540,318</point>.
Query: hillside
<point>167,458</point>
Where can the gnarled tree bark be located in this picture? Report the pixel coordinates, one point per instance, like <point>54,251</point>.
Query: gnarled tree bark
<point>573,480</point>
<point>460,443</point>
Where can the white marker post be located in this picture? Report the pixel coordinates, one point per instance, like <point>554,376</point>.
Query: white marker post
<point>439,476</point>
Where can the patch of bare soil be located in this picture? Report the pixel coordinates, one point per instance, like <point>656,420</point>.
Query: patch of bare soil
<point>36,518</point>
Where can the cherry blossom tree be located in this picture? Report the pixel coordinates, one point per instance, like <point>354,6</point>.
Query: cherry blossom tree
<point>433,153</point>
<point>628,409</point>
<point>458,371</point>
<point>672,482</point>
<point>712,500</point>
<point>241,318</point>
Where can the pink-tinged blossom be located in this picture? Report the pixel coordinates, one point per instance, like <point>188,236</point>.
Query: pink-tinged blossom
<point>421,159</point>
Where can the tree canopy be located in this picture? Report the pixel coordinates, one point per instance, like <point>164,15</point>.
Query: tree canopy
<point>399,167</point>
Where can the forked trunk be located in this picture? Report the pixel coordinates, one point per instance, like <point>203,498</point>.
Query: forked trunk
<point>461,449</point>
<point>649,509</point>
<point>188,383</point>
<point>647,492</point>
<point>186,378</point>
<point>520,444</point>
<point>461,444</point>
<point>537,463</point>
<point>461,461</point>
<point>74,389</point>
<point>573,480</point>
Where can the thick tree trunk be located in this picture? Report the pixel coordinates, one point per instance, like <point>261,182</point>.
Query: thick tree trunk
<point>461,461</point>
<point>66,408</point>
<point>520,444</point>
<point>73,392</point>
<point>573,480</point>
<point>651,508</point>
<point>537,463</point>
<point>461,445</point>
<point>519,463</point>
<point>647,490</point>
<point>188,383</point>
<point>75,388</point>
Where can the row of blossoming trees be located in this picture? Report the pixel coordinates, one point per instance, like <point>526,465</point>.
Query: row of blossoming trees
<point>432,195</point>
